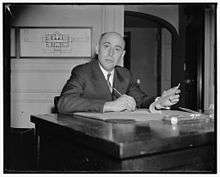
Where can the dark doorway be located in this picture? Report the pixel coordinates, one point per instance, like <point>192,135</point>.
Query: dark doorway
<point>127,59</point>
<point>143,34</point>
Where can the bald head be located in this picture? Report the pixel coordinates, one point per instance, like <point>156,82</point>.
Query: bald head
<point>110,50</point>
<point>112,35</point>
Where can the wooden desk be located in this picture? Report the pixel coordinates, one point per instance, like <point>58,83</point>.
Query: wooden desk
<point>74,143</point>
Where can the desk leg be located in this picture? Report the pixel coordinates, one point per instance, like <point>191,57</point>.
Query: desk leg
<point>37,145</point>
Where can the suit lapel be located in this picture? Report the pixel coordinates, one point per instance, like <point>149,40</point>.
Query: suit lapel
<point>100,81</point>
<point>119,83</point>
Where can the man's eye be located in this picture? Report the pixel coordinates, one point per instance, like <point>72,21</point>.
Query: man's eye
<point>106,45</point>
<point>118,49</point>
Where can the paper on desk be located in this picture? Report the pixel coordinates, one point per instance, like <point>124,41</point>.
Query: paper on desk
<point>138,115</point>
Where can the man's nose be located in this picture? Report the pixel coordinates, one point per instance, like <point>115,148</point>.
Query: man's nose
<point>111,51</point>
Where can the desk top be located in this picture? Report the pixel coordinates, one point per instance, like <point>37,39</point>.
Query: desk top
<point>134,138</point>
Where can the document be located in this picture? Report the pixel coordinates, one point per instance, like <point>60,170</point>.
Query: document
<point>141,115</point>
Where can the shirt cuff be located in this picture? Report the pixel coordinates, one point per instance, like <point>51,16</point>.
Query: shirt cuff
<point>157,104</point>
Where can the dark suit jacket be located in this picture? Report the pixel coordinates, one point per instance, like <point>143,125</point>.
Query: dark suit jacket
<point>87,89</point>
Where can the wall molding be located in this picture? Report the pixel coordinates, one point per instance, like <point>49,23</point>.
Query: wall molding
<point>36,91</point>
<point>23,101</point>
<point>52,71</point>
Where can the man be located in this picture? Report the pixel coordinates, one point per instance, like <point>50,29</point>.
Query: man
<point>102,86</point>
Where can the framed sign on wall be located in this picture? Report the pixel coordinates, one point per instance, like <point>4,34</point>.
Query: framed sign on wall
<point>55,42</point>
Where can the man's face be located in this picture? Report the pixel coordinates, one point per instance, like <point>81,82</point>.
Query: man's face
<point>110,50</point>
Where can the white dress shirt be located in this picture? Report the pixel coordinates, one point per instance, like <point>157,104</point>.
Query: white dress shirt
<point>111,79</point>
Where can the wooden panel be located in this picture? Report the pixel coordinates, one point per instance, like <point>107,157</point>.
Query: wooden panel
<point>113,20</point>
<point>45,64</point>
<point>209,57</point>
<point>39,82</point>
<point>41,76</point>
<point>34,84</point>
<point>13,53</point>
<point>21,111</point>
<point>166,60</point>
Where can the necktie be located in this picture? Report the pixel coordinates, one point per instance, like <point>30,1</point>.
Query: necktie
<point>108,82</point>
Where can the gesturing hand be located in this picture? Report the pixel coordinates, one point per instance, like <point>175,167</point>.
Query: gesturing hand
<point>167,99</point>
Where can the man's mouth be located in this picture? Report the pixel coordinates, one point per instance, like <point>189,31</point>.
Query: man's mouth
<point>109,60</point>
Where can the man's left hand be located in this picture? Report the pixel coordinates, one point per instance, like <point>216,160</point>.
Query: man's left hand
<point>168,98</point>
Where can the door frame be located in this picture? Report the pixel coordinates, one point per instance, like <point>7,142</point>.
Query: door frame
<point>163,24</point>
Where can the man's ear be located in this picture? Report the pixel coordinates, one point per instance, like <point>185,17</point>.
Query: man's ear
<point>121,61</point>
<point>123,54</point>
<point>97,49</point>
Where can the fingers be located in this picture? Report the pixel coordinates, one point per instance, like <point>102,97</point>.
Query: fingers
<point>178,91</point>
<point>174,90</point>
<point>165,101</point>
<point>123,103</point>
<point>129,102</point>
<point>174,99</point>
<point>114,106</point>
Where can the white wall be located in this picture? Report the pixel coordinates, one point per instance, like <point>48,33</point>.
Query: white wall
<point>101,18</point>
<point>35,81</point>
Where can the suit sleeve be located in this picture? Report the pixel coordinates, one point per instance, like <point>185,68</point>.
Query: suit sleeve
<point>141,98</point>
<point>71,98</point>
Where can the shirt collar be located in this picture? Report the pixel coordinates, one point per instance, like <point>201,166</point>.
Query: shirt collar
<point>106,72</point>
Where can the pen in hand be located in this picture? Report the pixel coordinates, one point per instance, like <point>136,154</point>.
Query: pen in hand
<point>117,91</point>
<point>178,85</point>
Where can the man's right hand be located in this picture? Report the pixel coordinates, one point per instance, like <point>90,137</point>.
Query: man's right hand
<point>123,103</point>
